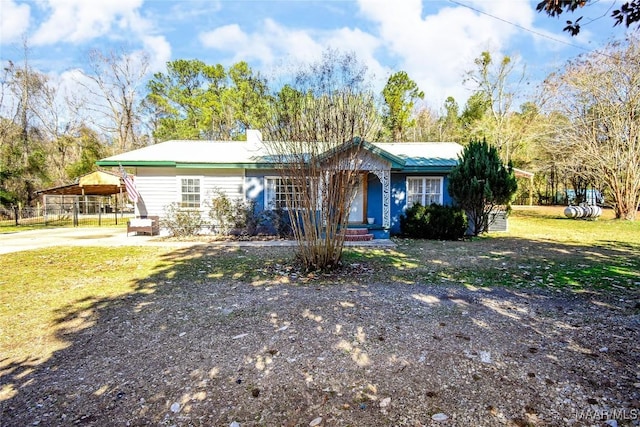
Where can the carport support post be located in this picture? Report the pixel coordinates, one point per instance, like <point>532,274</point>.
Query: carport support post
<point>116,209</point>
<point>76,202</point>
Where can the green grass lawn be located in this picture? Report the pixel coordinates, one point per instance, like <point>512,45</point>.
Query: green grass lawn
<point>4,228</point>
<point>541,248</point>
<point>10,227</point>
<point>39,288</point>
<point>48,292</point>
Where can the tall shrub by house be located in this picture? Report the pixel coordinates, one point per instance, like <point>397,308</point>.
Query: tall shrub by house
<point>481,184</point>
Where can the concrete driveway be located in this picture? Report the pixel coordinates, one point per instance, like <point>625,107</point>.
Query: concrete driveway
<point>102,236</point>
<point>108,236</point>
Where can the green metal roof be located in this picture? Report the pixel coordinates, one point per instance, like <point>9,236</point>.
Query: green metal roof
<point>408,156</point>
<point>424,154</point>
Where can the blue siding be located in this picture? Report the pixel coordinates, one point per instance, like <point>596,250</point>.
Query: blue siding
<point>398,200</point>
<point>379,233</point>
<point>374,198</point>
<point>399,196</point>
<point>254,190</point>
<point>254,186</point>
<point>446,197</point>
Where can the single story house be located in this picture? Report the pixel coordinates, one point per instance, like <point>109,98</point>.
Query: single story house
<point>393,176</point>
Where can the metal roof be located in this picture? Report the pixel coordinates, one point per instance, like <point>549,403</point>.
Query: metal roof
<point>99,183</point>
<point>411,156</point>
<point>174,152</point>
<point>522,173</point>
<point>418,155</point>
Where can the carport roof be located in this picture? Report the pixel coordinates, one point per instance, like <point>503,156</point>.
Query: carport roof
<point>99,183</point>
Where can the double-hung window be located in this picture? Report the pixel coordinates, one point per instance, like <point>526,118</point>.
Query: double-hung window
<point>190,192</point>
<point>424,190</point>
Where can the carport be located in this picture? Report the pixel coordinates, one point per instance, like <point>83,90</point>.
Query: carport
<point>94,196</point>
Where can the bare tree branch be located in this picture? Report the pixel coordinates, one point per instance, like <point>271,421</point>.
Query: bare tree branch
<point>316,132</point>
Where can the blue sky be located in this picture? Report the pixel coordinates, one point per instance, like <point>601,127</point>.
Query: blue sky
<point>434,41</point>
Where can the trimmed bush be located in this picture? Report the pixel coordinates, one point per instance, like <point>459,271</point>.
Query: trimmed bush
<point>181,222</point>
<point>481,184</point>
<point>232,217</point>
<point>435,222</point>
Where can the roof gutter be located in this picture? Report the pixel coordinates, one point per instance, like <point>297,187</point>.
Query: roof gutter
<point>135,163</point>
<point>178,165</point>
<point>430,169</point>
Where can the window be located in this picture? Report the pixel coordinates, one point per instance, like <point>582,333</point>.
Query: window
<point>424,190</point>
<point>278,191</point>
<point>190,192</point>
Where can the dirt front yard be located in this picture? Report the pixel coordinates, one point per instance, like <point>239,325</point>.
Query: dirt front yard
<point>349,352</point>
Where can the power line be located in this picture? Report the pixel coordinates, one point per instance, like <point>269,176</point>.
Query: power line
<point>537,33</point>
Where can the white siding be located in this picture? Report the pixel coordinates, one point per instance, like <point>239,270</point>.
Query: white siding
<point>159,187</point>
<point>231,185</point>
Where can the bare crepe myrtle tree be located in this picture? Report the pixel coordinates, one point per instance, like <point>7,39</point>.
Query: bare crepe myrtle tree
<point>316,131</point>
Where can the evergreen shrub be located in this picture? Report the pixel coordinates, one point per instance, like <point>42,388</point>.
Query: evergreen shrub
<point>434,222</point>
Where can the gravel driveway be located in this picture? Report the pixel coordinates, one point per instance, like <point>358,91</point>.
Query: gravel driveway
<point>225,353</point>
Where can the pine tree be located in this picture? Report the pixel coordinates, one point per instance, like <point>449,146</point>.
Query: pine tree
<point>481,184</point>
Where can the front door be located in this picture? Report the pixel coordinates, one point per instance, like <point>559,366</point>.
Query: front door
<point>356,213</point>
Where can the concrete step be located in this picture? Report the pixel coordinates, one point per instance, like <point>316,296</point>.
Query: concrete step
<point>358,238</point>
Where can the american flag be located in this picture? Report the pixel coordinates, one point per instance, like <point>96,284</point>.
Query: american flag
<point>132,192</point>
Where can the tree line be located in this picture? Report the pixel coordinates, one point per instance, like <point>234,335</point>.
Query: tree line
<point>577,130</point>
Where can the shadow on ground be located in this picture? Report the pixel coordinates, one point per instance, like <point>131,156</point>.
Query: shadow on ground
<point>221,335</point>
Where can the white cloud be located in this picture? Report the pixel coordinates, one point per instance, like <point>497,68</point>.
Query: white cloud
<point>280,49</point>
<point>192,10</point>
<point>363,44</point>
<point>227,38</point>
<point>14,21</point>
<point>77,21</point>
<point>434,48</point>
<point>81,21</point>
<point>159,51</point>
<point>268,46</point>
<point>434,42</point>
<point>518,12</point>
<point>437,49</point>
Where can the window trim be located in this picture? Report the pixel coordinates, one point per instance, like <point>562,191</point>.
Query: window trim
<point>180,194</point>
<point>424,186</point>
